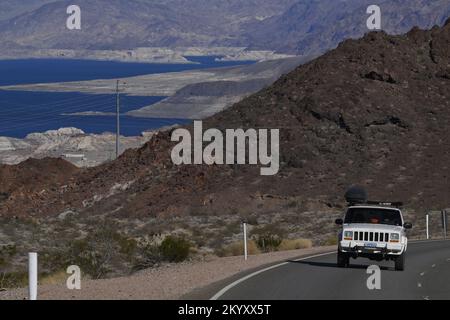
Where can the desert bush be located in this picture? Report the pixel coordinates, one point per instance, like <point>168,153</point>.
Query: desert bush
<point>331,241</point>
<point>128,246</point>
<point>268,242</point>
<point>16,279</point>
<point>294,244</point>
<point>268,229</point>
<point>174,249</point>
<point>237,249</point>
<point>232,228</point>
<point>148,255</point>
<point>267,237</point>
<point>7,252</point>
<point>103,250</point>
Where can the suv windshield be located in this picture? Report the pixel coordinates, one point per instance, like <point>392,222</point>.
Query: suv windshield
<point>373,216</point>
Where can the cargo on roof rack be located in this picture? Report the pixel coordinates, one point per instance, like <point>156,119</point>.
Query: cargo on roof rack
<point>357,195</point>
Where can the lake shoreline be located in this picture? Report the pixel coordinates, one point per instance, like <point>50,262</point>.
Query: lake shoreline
<point>150,55</point>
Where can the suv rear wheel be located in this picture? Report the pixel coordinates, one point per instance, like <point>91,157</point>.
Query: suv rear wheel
<point>343,260</point>
<point>400,262</point>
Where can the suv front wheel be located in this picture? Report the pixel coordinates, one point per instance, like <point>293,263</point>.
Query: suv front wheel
<point>343,260</point>
<point>400,262</point>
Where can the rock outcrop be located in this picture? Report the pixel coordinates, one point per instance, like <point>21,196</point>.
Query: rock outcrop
<point>83,150</point>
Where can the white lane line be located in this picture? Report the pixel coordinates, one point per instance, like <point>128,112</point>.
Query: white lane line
<point>422,273</point>
<point>433,265</point>
<point>426,298</point>
<point>232,285</point>
<point>419,285</point>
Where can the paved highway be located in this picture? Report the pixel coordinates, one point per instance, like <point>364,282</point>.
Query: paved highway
<point>427,276</point>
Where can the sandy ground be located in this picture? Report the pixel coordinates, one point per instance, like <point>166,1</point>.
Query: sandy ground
<point>167,282</point>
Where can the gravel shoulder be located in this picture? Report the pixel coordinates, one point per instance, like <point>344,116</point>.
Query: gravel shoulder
<point>169,282</point>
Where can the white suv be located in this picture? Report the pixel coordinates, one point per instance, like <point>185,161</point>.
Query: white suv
<point>377,232</point>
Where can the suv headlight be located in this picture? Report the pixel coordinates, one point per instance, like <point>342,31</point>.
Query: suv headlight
<point>348,235</point>
<point>394,237</point>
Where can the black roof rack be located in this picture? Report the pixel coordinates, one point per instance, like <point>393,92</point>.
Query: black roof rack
<point>396,204</point>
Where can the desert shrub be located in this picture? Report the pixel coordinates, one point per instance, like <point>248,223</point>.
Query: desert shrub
<point>103,250</point>
<point>128,246</point>
<point>16,279</point>
<point>7,252</point>
<point>232,228</point>
<point>237,249</point>
<point>268,229</point>
<point>294,244</point>
<point>331,241</point>
<point>149,255</point>
<point>174,249</point>
<point>268,237</point>
<point>268,242</point>
<point>92,256</point>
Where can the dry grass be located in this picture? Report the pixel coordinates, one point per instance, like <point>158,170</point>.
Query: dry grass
<point>331,241</point>
<point>54,278</point>
<point>294,244</point>
<point>237,249</point>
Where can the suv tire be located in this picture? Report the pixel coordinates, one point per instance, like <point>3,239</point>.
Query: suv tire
<point>400,262</point>
<point>343,260</point>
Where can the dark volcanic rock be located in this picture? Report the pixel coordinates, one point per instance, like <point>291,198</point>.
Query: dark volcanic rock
<point>373,112</point>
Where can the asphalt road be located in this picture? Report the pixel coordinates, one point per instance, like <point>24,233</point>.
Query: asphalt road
<point>426,276</point>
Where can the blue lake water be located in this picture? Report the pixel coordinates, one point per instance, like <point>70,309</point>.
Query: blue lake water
<point>23,112</point>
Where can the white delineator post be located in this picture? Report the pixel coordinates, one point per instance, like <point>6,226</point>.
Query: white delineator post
<point>245,241</point>
<point>427,222</point>
<point>32,275</point>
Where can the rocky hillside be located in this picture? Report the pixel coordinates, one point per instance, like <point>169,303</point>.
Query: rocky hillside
<point>11,8</point>
<point>375,111</point>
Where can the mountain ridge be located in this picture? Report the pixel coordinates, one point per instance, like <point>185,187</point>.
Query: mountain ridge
<point>373,111</point>
<point>289,26</point>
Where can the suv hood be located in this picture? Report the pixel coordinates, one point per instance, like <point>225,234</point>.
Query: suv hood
<point>374,227</point>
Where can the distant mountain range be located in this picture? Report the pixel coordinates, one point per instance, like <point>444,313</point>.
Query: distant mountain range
<point>312,27</point>
<point>288,26</point>
<point>12,8</point>
<point>112,24</point>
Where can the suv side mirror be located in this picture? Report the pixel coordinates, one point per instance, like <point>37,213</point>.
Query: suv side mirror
<point>407,225</point>
<point>339,221</point>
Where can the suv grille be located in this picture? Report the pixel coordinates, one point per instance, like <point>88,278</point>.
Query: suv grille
<point>371,236</point>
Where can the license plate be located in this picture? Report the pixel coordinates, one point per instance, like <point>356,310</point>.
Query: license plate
<point>370,245</point>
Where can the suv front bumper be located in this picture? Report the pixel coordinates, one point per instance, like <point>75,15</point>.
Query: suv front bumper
<point>381,250</point>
